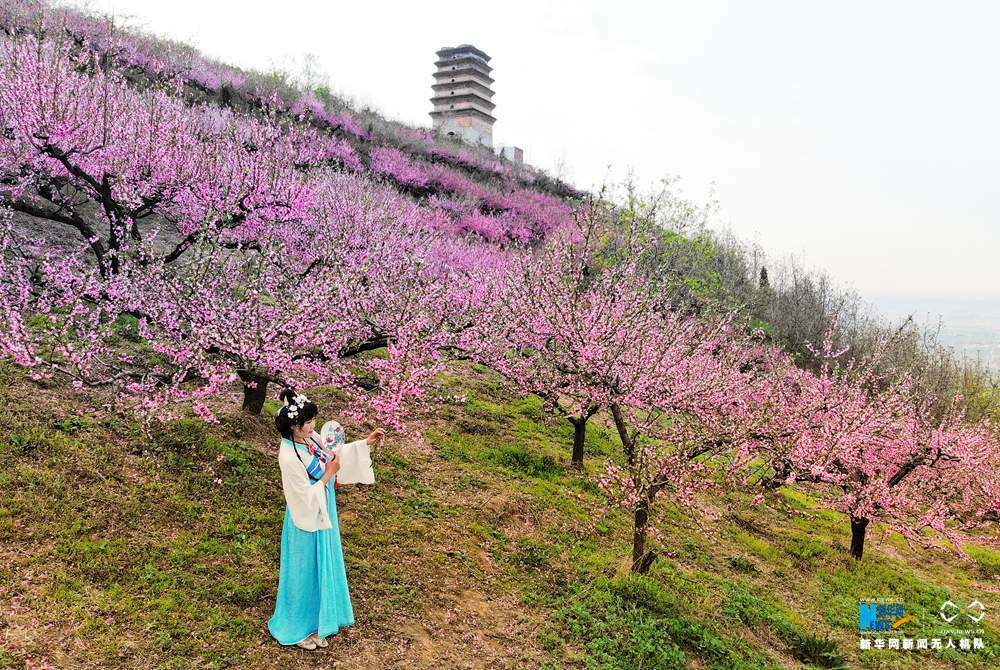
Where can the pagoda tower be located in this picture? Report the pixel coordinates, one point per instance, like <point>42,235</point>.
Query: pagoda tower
<point>462,107</point>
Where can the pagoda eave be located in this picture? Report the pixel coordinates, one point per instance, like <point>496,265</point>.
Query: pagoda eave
<point>444,114</point>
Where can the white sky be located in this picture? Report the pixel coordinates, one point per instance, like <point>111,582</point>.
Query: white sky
<point>860,136</point>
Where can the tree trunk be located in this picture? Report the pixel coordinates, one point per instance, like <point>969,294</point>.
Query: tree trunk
<point>858,527</point>
<point>254,392</point>
<point>641,559</point>
<point>579,439</point>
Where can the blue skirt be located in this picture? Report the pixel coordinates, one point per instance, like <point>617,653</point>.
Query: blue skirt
<point>312,581</point>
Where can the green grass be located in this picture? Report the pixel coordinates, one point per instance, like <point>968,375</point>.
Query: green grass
<point>987,560</point>
<point>163,551</point>
<point>744,603</point>
<point>634,621</point>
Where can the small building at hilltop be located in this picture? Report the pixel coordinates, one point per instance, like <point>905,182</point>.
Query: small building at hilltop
<point>463,106</point>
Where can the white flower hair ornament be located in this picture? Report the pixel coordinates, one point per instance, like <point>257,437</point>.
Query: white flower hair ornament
<point>293,406</point>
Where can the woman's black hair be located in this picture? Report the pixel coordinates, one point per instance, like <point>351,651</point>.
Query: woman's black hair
<point>284,423</point>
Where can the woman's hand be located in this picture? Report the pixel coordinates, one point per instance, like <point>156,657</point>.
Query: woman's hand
<point>376,437</point>
<point>332,466</point>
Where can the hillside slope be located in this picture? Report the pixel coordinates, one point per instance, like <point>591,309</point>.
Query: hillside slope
<point>478,548</point>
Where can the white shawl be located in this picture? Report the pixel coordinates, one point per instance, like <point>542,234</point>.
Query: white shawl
<point>306,499</point>
<point>355,463</point>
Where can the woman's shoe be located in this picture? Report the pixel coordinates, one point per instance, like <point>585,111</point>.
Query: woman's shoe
<point>308,643</point>
<point>320,642</point>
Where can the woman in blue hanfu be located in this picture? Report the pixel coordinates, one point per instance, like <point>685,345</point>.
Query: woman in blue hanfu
<point>313,599</point>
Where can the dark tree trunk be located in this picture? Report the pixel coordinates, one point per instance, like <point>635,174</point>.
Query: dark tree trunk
<point>580,432</point>
<point>254,392</point>
<point>858,527</point>
<point>777,480</point>
<point>641,559</point>
<point>579,439</point>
